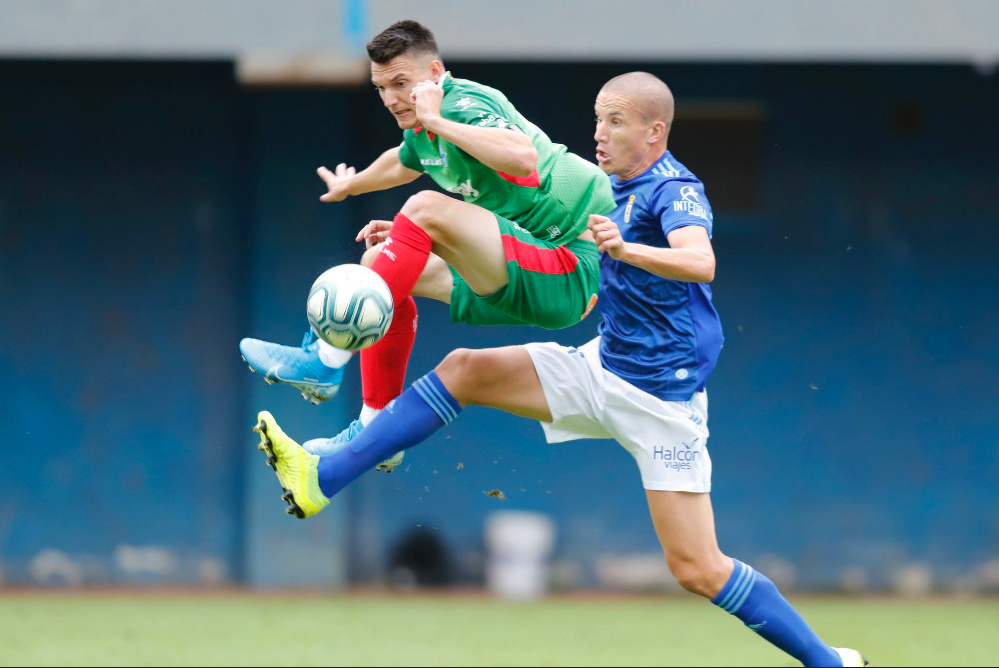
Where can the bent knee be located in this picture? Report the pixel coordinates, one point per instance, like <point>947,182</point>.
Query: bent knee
<point>459,364</point>
<point>464,370</point>
<point>427,208</point>
<point>703,577</point>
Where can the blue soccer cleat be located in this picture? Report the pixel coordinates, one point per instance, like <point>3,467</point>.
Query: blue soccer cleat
<point>327,446</point>
<point>299,367</point>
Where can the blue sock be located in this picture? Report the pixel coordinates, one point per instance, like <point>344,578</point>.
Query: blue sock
<point>409,420</point>
<point>754,599</point>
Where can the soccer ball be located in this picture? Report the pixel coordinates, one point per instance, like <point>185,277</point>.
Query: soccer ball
<point>350,306</point>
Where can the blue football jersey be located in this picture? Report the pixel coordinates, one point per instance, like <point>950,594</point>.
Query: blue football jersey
<point>661,335</point>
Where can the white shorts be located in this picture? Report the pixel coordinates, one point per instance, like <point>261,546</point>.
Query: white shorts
<point>668,439</point>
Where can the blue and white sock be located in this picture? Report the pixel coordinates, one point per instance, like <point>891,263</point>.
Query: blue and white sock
<point>409,420</point>
<point>754,599</point>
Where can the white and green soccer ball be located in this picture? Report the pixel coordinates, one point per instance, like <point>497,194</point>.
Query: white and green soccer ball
<point>350,306</point>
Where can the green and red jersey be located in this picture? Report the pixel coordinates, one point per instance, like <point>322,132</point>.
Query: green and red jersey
<point>552,204</point>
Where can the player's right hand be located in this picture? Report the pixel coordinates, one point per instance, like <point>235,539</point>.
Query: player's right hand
<point>374,232</point>
<point>337,183</point>
<point>607,235</point>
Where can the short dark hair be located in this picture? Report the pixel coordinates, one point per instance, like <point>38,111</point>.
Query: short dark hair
<point>400,38</point>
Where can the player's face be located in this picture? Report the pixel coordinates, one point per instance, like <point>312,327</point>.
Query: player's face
<point>622,136</point>
<point>395,80</point>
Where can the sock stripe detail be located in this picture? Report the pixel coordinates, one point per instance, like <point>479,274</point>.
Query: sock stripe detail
<point>736,579</point>
<point>740,588</point>
<point>435,399</point>
<point>737,604</point>
<point>421,388</point>
<point>440,390</point>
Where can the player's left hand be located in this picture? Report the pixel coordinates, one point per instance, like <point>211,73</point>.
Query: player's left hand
<point>607,235</point>
<point>426,97</point>
<point>374,232</point>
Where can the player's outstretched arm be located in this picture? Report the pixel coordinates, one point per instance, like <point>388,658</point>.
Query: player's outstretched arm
<point>387,171</point>
<point>690,256</point>
<point>502,149</point>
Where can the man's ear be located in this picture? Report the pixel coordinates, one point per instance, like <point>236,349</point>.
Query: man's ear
<point>657,132</point>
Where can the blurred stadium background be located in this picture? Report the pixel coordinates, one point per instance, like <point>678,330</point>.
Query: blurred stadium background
<point>158,201</point>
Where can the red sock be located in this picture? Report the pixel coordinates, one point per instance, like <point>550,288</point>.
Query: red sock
<point>400,262</point>
<point>403,257</point>
<point>383,365</point>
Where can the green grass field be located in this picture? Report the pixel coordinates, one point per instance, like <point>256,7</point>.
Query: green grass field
<point>77,629</point>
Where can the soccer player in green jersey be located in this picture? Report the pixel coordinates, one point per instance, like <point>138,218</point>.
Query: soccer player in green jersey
<point>514,250</point>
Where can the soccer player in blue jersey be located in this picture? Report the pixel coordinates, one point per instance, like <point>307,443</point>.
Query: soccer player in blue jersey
<point>640,382</point>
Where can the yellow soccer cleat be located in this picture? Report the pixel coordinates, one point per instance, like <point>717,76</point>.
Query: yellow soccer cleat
<point>391,463</point>
<point>296,469</point>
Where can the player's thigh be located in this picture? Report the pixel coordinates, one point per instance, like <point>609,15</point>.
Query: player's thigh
<point>503,378</point>
<point>685,525</point>
<point>668,439</point>
<point>572,380</point>
<point>684,522</point>
<point>547,285</point>
<point>465,236</point>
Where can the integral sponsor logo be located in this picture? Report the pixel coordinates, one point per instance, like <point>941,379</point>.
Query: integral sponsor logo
<point>678,459</point>
<point>553,231</point>
<point>689,194</point>
<point>464,189</point>
<point>464,103</point>
<point>692,208</point>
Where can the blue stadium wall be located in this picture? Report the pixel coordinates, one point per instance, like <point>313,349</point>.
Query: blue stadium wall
<point>151,214</point>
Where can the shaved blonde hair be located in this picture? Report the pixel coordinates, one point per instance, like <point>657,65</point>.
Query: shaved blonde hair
<point>651,96</point>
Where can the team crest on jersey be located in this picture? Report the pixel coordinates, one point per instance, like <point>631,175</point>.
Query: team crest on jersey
<point>627,209</point>
<point>553,231</point>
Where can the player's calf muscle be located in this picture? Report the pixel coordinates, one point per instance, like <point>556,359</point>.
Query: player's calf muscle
<point>502,378</point>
